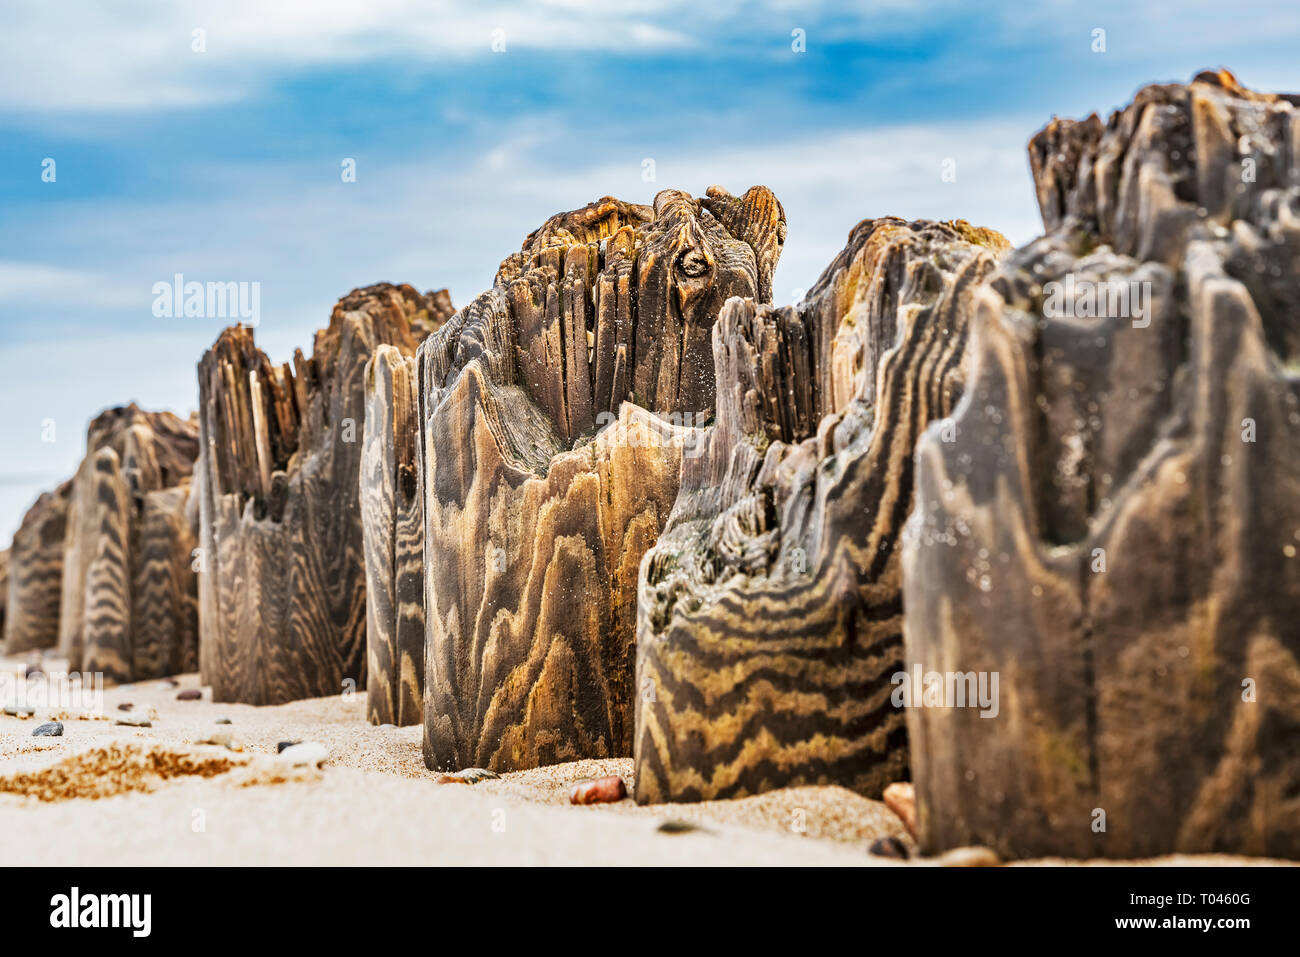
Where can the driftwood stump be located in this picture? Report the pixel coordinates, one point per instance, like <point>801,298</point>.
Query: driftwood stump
<point>1115,529</point>
<point>36,574</point>
<point>769,620</point>
<point>165,600</point>
<point>545,478</point>
<point>393,523</point>
<point>282,576</point>
<point>128,607</point>
<point>392,517</point>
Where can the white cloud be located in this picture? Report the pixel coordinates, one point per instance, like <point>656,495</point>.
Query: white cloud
<point>45,285</point>
<point>85,55</point>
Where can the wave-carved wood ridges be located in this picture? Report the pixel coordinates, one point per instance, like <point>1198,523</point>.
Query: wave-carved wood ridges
<point>282,590</point>
<point>128,606</point>
<point>1115,528</point>
<point>546,478</point>
<point>392,512</point>
<point>769,621</point>
<point>36,574</point>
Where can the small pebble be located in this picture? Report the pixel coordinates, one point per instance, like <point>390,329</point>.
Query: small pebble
<point>131,720</point>
<point>675,825</point>
<point>970,857</point>
<point>901,799</point>
<point>223,738</point>
<point>472,775</point>
<point>306,753</point>
<point>889,846</point>
<point>604,790</point>
<point>280,748</point>
<point>189,694</point>
<point>125,706</point>
<point>224,721</point>
<point>450,779</point>
<point>53,729</point>
<point>15,711</point>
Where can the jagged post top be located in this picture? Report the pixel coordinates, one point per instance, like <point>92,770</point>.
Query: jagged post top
<point>822,368</point>
<point>756,218</point>
<point>255,409</point>
<point>1179,153</point>
<point>159,448</point>
<point>614,302</point>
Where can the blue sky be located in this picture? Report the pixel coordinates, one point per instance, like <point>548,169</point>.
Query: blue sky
<point>224,165</point>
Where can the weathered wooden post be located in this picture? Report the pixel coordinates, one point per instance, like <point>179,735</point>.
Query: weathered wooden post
<point>546,478</point>
<point>393,520</point>
<point>1113,528</point>
<point>769,612</point>
<point>282,587</point>
<point>128,605</point>
<point>36,575</point>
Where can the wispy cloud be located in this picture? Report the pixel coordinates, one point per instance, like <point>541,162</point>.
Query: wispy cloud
<point>85,55</point>
<point>23,284</point>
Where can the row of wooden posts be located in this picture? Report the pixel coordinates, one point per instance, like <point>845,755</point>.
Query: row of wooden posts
<point>620,504</point>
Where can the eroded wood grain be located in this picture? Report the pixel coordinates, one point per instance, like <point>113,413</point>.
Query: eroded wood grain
<point>36,574</point>
<point>1114,528</point>
<point>393,524</point>
<point>546,478</point>
<point>769,617</point>
<point>282,599</point>
<point>128,581</point>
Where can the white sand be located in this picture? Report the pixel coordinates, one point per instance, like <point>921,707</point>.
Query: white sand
<point>373,802</point>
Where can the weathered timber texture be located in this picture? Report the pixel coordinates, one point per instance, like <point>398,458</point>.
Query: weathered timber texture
<point>393,524</point>
<point>1115,528</point>
<point>35,575</point>
<point>769,618</point>
<point>282,583</point>
<point>165,600</point>
<point>546,478</point>
<point>128,604</point>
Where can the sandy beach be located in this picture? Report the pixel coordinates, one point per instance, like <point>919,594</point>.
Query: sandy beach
<point>103,793</point>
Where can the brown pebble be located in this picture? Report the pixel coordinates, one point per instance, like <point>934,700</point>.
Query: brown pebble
<point>125,706</point>
<point>888,846</point>
<point>189,694</point>
<point>604,790</point>
<point>901,799</point>
<point>451,779</point>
